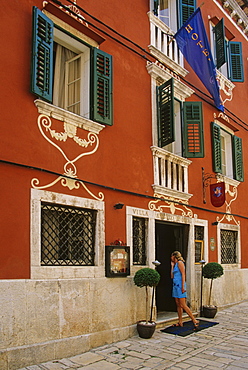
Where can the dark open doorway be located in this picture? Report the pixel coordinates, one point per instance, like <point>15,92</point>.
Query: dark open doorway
<point>169,237</point>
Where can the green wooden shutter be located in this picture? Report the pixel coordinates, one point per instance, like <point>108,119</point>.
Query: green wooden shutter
<point>193,130</point>
<point>216,146</point>
<point>186,8</point>
<point>155,10</point>
<point>42,55</point>
<point>238,159</point>
<point>165,110</point>
<point>220,43</point>
<point>102,87</point>
<point>236,62</point>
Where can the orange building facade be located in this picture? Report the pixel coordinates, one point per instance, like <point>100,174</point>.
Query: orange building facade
<point>110,145</point>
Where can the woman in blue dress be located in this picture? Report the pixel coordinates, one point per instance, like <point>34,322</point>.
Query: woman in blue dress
<point>179,288</point>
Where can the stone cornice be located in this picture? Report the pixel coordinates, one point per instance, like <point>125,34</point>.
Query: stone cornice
<point>163,74</point>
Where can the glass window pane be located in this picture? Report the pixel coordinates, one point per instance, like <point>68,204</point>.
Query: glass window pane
<point>164,11</point>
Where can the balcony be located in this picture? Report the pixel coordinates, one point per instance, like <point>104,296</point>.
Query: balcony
<point>170,174</point>
<point>163,47</point>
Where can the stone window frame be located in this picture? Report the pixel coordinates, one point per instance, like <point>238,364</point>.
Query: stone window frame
<point>64,272</point>
<point>223,226</point>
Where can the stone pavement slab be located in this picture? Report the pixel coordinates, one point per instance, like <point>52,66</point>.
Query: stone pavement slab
<point>224,346</point>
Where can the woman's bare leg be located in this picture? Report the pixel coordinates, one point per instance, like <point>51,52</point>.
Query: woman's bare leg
<point>183,304</point>
<point>179,312</point>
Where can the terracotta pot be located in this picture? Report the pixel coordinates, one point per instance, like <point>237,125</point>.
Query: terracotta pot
<point>146,330</point>
<point>209,311</point>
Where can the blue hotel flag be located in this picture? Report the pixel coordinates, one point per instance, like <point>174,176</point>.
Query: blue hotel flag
<point>192,40</point>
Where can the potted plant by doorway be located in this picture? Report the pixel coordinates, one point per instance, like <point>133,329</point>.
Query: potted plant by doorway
<point>147,277</point>
<point>211,270</point>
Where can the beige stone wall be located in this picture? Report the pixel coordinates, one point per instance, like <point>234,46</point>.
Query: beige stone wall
<point>48,319</point>
<point>229,288</point>
<point>232,287</point>
<point>42,320</point>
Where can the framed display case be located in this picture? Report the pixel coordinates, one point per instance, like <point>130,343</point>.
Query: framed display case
<point>117,260</point>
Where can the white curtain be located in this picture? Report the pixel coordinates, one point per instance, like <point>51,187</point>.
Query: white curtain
<point>62,55</point>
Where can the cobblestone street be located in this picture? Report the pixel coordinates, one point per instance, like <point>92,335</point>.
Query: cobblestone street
<point>223,346</point>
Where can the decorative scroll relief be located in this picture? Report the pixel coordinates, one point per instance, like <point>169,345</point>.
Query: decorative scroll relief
<point>73,11</point>
<point>168,203</point>
<point>67,182</point>
<point>233,193</point>
<point>221,115</point>
<point>226,87</point>
<point>70,170</point>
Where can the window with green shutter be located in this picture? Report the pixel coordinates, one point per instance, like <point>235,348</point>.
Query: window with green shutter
<point>228,54</point>
<point>165,104</point>
<point>180,125</point>
<point>102,87</point>
<point>238,158</point>
<point>193,130</point>
<point>227,153</point>
<point>236,61</point>
<point>69,73</point>
<point>216,143</point>
<point>186,9</point>
<point>42,55</point>
<point>220,44</point>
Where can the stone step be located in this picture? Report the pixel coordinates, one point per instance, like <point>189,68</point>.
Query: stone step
<point>170,318</point>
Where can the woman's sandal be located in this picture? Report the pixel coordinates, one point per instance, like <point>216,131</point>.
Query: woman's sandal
<point>196,325</point>
<point>177,325</point>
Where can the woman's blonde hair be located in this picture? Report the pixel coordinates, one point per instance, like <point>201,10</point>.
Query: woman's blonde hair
<point>178,256</point>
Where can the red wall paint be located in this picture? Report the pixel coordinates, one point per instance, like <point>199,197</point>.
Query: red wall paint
<point>117,162</point>
<point>123,160</point>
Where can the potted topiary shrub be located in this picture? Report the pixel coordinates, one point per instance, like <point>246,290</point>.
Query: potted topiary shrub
<point>147,277</point>
<point>211,270</point>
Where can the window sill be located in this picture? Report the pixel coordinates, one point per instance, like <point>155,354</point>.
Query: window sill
<point>170,193</point>
<point>227,180</point>
<point>231,266</point>
<point>63,115</point>
<point>159,55</point>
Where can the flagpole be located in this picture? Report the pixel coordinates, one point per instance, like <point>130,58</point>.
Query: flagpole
<point>172,38</point>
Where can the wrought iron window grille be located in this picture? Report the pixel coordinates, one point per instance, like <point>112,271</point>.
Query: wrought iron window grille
<point>228,246</point>
<point>139,240</point>
<point>67,235</point>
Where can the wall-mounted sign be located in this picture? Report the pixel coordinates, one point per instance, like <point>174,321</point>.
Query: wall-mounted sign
<point>117,260</point>
<point>212,244</point>
<point>217,194</point>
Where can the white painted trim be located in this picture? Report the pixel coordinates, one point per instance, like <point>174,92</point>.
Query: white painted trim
<point>152,216</point>
<point>63,115</point>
